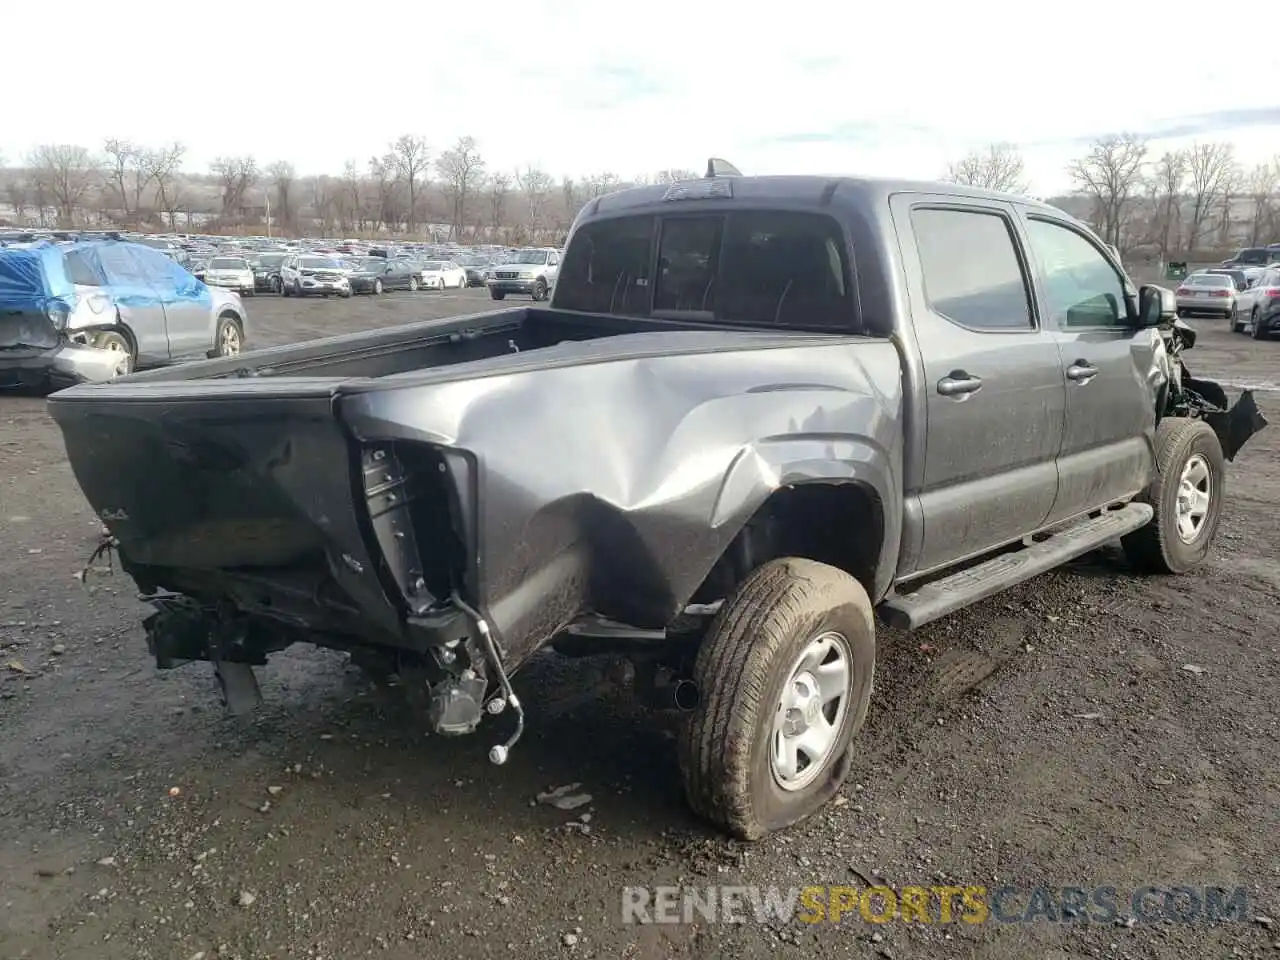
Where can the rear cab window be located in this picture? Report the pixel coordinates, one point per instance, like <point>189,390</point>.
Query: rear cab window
<point>745,267</point>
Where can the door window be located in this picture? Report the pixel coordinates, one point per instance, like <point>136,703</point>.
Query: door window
<point>972,274</point>
<point>1082,288</point>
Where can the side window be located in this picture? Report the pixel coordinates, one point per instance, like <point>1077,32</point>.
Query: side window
<point>1081,286</point>
<point>972,275</point>
<point>157,267</point>
<point>606,268</point>
<point>119,266</point>
<point>687,264</point>
<point>79,270</point>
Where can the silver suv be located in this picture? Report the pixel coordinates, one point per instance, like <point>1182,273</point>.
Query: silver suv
<point>310,274</point>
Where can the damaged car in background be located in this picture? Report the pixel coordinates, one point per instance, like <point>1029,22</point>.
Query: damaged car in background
<point>88,312</point>
<point>757,412</point>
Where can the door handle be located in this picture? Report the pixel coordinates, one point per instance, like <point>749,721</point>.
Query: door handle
<point>958,384</point>
<point>1081,371</point>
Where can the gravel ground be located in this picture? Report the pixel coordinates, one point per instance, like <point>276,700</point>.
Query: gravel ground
<point>1050,736</point>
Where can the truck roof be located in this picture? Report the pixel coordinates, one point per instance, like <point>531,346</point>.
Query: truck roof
<point>801,190</point>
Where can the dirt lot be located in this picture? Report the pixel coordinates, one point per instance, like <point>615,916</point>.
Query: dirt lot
<point>1051,736</point>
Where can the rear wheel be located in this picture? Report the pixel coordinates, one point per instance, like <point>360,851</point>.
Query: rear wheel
<point>413,284</point>
<point>784,678</point>
<point>1258,332</point>
<point>496,295</point>
<point>1186,495</point>
<point>117,342</point>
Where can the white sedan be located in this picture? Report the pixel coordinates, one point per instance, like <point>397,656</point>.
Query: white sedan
<point>438,274</point>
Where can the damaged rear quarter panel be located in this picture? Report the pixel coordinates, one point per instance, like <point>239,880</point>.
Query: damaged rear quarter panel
<point>614,486</point>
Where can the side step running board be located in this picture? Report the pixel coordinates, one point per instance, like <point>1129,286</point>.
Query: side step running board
<point>941,597</point>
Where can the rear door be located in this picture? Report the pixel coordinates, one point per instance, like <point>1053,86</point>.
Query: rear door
<point>1106,453</point>
<point>995,395</point>
<point>139,304</point>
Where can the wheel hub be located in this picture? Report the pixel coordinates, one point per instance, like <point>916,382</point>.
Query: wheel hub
<point>1193,499</point>
<point>811,711</point>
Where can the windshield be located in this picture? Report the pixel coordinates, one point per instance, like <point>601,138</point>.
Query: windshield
<point>228,263</point>
<point>434,265</point>
<point>319,263</point>
<point>1209,280</point>
<point>371,264</point>
<point>270,260</point>
<point>528,256</point>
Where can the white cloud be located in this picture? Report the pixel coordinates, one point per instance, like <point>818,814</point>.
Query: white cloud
<point>580,87</point>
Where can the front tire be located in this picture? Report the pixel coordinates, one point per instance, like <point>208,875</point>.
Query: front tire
<point>1187,496</point>
<point>413,284</point>
<point>494,295</point>
<point>540,290</point>
<point>1258,333</point>
<point>784,678</point>
<point>377,288</point>
<point>117,342</point>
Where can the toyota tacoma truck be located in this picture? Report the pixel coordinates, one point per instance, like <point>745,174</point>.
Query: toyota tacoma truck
<point>758,415</point>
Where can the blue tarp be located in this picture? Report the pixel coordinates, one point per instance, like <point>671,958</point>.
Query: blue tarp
<point>33,277</point>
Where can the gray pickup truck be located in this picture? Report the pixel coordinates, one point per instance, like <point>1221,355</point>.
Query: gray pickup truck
<point>757,411</point>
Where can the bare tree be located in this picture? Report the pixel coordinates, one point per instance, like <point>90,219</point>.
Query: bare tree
<point>382,177</point>
<point>1264,179</point>
<point>350,205</point>
<point>19,191</point>
<point>499,188</point>
<point>64,173</point>
<point>535,184</point>
<point>163,166</point>
<point>1209,165</point>
<point>998,167</point>
<point>461,169</point>
<point>235,177</point>
<point>598,184</point>
<point>1170,180</point>
<point>1110,175</point>
<point>124,164</point>
<point>282,176</point>
<point>1233,185</point>
<point>409,158</point>
<point>674,175</point>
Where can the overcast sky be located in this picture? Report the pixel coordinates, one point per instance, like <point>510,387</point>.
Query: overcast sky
<point>806,86</point>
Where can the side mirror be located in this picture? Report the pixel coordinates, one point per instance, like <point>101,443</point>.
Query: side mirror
<point>1156,305</point>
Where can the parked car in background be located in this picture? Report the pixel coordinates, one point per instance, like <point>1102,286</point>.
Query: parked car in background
<point>235,273</point>
<point>198,267</point>
<point>303,275</point>
<point>266,271</point>
<point>86,312</point>
<point>438,274</point>
<point>375,274</point>
<point>1254,257</point>
<point>1207,294</point>
<point>531,272</point>
<point>1261,318</point>
<point>475,269</point>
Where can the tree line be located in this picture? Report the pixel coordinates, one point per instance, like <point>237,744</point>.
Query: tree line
<point>407,191</point>
<point>1179,202</point>
<point>1190,203</point>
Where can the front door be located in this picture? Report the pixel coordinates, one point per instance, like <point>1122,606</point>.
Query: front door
<point>188,304</point>
<point>1110,426</point>
<point>995,398</point>
<point>137,302</point>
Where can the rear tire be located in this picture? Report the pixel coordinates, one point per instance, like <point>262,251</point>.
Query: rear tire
<point>496,296</point>
<point>413,284</point>
<point>230,337</point>
<point>1189,463</point>
<point>757,658</point>
<point>377,288</point>
<point>1257,332</point>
